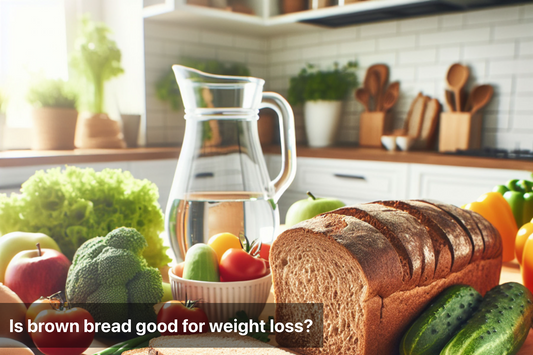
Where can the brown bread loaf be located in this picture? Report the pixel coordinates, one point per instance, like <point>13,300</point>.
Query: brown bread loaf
<point>330,259</point>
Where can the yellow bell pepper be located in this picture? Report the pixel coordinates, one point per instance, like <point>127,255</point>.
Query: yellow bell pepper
<point>521,238</point>
<point>497,211</point>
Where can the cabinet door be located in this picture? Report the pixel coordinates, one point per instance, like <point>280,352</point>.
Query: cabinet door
<point>457,185</point>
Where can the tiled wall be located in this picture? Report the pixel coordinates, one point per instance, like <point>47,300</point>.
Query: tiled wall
<point>497,45</point>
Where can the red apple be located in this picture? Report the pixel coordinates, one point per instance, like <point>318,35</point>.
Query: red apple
<point>35,273</point>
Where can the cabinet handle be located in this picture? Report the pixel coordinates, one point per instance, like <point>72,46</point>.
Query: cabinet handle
<point>348,176</point>
<point>204,175</point>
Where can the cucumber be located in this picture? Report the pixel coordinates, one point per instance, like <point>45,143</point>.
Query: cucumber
<point>500,326</point>
<point>441,321</point>
<point>201,264</point>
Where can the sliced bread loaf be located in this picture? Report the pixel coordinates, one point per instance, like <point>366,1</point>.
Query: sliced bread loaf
<point>320,261</point>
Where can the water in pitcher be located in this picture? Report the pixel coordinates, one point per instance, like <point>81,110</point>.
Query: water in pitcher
<point>200,216</point>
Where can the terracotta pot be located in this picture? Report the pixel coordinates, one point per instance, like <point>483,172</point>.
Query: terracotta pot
<point>289,6</point>
<point>53,128</point>
<point>98,131</point>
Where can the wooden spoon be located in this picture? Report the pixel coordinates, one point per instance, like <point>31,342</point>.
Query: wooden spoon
<point>391,96</point>
<point>383,72</point>
<point>456,78</point>
<point>363,96</point>
<point>449,100</point>
<point>373,85</point>
<point>481,96</point>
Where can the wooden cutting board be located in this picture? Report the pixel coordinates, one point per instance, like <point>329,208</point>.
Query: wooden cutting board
<point>510,273</point>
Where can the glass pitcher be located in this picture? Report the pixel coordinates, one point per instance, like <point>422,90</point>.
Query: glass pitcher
<point>221,182</point>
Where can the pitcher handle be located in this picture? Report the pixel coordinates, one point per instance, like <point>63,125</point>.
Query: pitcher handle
<point>288,142</point>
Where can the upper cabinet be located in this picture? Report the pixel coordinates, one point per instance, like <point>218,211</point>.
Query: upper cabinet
<point>270,17</point>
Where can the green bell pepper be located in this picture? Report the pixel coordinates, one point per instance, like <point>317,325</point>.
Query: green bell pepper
<point>519,195</point>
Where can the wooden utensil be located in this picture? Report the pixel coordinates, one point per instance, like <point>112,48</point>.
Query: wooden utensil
<point>456,78</point>
<point>429,124</point>
<point>481,96</point>
<point>363,96</point>
<point>450,104</point>
<point>391,96</point>
<point>413,123</point>
<point>373,84</point>
<point>383,72</point>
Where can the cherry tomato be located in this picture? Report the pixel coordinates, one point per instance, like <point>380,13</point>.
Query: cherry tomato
<point>521,238</point>
<point>222,242</point>
<point>69,342</point>
<point>238,265</point>
<point>178,269</point>
<point>42,304</point>
<point>176,310</point>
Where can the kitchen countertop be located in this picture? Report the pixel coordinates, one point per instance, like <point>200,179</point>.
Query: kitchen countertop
<point>15,158</point>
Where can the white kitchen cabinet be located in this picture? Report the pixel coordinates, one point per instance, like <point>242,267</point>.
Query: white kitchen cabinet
<point>355,181</point>
<point>457,185</point>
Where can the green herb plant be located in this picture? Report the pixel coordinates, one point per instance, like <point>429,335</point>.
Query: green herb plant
<point>312,84</point>
<point>167,89</point>
<point>74,205</point>
<point>51,93</point>
<point>96,59</point>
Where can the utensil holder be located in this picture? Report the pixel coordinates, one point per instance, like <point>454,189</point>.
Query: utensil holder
<point>372,125</point>
<point>460,130</point>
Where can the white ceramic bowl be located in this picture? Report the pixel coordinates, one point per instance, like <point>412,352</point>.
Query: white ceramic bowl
<point>389,142</point>
<point>405,143</point>
<point>221,300</point>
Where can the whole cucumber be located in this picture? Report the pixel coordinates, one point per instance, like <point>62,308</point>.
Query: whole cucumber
<point>441,321</point>
<point>500,326</point>
<point>201,264</point>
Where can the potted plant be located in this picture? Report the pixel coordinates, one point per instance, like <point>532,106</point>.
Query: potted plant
<point>322,93</point>
<point>95,60</point>
<point>54,114</point>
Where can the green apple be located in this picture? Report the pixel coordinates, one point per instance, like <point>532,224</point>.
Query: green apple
<point>310,207</point>
<point>13,243</point>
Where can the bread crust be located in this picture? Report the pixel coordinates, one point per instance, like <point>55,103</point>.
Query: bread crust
<point>468,224</point>
<point>491,236</point>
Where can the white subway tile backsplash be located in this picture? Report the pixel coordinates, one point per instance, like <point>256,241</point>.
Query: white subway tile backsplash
<point>419,24</point>
<point>302,40</point>
<point>511,13</point>
<point>286,55</point>
<point>161,31</point>
<point>513,31</point>
<point>437,72</point>
<point>449,54</point>
<point>496,50</point>
<point>293,69</point>
<point>418,56</point>
<point>398,42</point>
<point>248,43</point>
<point>402,74</point>
<point>525,48</point>
<point>378,29</point>
<point>356,47</point>
<point>496,120</point>
<point>452,37</point>
<point>478,70</point>
<point>329,35</point>
<point>322,51</point>
<point>524,85</point>
<point>502,85</point>
<point>507,67</point>
<point>366,60</point>
<point>500,103</point>
<point>199,51</point>
<point>452,20</point>
<point>171,48</point>
<point>524,104</point>
<point>276,43</point>
<point>216,38</point>
<point>155,119</point>
<point>523,121</point>
<point>527,11</point>
<point>153,46</point>
<point>231,55</point>
<point>258,58</point>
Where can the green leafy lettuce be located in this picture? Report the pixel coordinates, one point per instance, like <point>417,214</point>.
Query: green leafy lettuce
<point>74,205</point>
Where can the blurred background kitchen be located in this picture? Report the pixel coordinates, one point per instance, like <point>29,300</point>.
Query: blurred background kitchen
<point>417,40</point>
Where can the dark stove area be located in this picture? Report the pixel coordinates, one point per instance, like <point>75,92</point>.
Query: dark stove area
<point>520,154</point>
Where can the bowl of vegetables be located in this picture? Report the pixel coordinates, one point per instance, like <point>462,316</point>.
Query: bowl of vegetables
<point>224,276</point>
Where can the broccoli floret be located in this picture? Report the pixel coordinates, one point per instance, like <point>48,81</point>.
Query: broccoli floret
<point>108,272</point>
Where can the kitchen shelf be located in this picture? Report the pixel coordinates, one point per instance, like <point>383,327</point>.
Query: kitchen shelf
<point>178,11</point>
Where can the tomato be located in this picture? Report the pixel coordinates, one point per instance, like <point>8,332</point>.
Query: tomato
<point>527,263</point>
<point>521,237</point>
<point>178,269</point>
<point>238,265</point>
<point>222,242</point>
<point>66,341</point>
<point>264,253</point>
<point>42,304</point>
<point>176,310</point>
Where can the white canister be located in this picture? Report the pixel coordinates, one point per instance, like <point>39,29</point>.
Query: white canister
<point>321,122</point>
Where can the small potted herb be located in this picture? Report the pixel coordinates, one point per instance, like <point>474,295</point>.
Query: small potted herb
<point>54,114</point>
<point>95,60</point>
<point>322,94</point>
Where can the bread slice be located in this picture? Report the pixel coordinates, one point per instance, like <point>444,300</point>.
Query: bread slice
<point>469,225</point>
<point>491,236</point>
<point>416,254</point>
<point>211,343</point>
<point>143,351</point>
<point>319,261</point>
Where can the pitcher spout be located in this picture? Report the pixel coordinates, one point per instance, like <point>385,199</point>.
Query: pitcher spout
<point>202,91</point>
